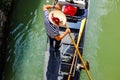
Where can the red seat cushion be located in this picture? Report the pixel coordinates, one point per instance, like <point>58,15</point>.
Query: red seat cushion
<point>70,10</point>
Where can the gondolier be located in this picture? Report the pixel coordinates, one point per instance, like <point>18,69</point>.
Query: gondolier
<point>52,21</point>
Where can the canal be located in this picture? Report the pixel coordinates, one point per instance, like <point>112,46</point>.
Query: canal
<point>27,39</point>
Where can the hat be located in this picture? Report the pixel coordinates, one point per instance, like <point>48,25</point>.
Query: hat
<point>57,18</point>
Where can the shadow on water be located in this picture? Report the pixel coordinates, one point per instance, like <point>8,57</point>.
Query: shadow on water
<point>26,41</point>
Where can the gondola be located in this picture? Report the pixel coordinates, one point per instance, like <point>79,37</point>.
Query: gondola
<point>77,25</point>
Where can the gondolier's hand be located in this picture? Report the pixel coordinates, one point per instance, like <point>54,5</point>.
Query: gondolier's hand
<point>59,37</point>
<point>67,30</point>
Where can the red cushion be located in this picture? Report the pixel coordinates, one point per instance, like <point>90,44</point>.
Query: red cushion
<point>70,10</point>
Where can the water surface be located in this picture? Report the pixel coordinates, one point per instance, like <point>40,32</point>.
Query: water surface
<point>26,42</point>
<point>109,42</point>
<point>27,39</point>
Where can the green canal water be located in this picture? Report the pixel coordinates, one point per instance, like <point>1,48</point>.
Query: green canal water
<point>27,41</point>
<point>109,42</point>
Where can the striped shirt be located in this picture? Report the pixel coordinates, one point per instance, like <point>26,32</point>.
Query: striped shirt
<point>51,29</point>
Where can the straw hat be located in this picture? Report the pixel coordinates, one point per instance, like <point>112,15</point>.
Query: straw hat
<point>57,18</point>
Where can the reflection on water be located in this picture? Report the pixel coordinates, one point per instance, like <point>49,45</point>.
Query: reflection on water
<point>25,42</point>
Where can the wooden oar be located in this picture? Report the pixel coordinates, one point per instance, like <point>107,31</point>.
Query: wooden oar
<point>80,56</point>
<point>78,41</point>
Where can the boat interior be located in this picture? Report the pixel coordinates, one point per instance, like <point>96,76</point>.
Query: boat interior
<point>67,49</point>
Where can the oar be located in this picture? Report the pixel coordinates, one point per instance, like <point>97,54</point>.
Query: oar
<point>79,54</point>
<point>78,41</point>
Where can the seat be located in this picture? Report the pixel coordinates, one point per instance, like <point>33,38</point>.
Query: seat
<point>77,3</point>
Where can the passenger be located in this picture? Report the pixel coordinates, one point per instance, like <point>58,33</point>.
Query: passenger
<point>52,21</point>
